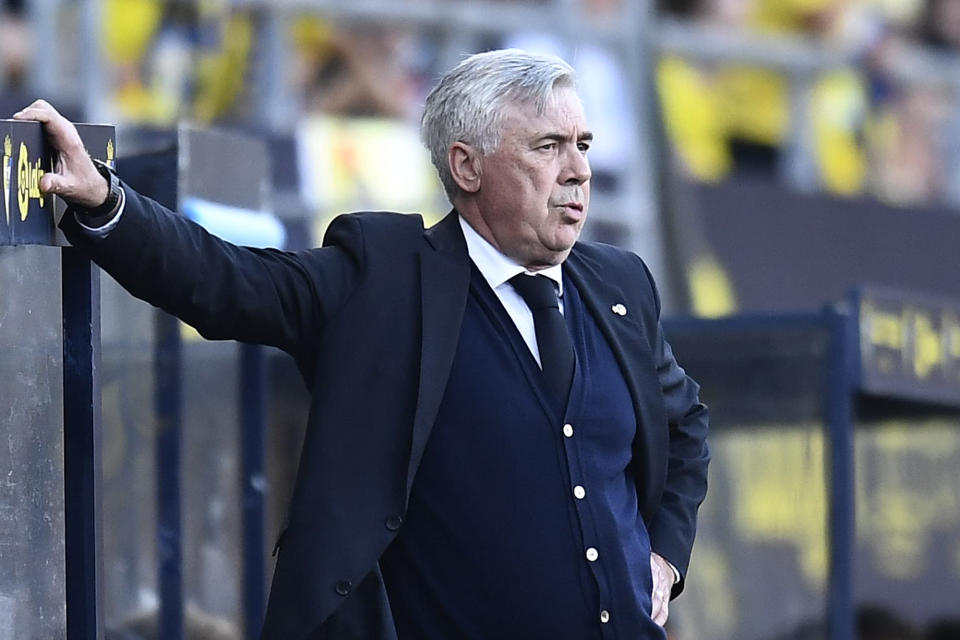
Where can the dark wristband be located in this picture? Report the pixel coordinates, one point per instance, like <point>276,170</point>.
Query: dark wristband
<point>102,214</point>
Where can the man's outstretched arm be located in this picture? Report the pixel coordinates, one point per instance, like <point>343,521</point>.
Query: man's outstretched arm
<point>225,291</point>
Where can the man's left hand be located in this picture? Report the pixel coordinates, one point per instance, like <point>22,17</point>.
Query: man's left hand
<point>663,578</point>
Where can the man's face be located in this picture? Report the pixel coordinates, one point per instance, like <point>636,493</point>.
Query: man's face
<point>534,189</point>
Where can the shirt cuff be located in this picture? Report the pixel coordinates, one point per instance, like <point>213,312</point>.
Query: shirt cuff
<point>676,574</point>
<point>107,222</point>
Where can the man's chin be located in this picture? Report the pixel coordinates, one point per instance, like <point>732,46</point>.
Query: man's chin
<point>565,240</point>
<point>548,257</point>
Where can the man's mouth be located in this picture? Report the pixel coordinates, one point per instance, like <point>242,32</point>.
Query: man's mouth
<point>574,206</point>
<point>572,211</point>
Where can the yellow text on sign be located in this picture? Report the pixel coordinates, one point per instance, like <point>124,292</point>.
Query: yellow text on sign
<point>28,181</point>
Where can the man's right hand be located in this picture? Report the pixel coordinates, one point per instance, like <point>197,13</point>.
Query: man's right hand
<point>74,178</point>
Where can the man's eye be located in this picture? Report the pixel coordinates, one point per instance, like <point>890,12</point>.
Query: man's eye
<point>549,146</point>
<point>583,146</point>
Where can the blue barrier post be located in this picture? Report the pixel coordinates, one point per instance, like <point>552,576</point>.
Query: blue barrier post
<point>81,447</point>
<point>252,421</point>
<point>838,413</point>
<point>168,400</point>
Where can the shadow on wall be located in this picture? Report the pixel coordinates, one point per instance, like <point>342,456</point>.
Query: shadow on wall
<point>872,623</point>
<point>875,622</point>
<point>945,629</point>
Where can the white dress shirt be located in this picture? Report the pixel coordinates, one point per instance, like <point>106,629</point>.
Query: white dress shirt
<point>497,269</point>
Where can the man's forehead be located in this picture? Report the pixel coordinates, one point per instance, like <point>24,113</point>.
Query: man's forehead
<point>562,113</point>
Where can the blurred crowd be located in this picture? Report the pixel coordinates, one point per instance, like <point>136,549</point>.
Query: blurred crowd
<point>884,122</point>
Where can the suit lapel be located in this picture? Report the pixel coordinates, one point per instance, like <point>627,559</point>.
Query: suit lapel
<point>444,282</point>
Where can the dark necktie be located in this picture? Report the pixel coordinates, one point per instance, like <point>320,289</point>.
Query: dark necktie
<point>553,339</point>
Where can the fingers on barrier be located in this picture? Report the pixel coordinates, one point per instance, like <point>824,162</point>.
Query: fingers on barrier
<point>29,216</point>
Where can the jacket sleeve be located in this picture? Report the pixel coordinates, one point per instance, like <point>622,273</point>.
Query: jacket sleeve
<point>674,525</point>
<point>225,291</point>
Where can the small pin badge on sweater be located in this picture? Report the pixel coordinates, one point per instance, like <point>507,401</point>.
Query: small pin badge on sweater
<point>619,309</point>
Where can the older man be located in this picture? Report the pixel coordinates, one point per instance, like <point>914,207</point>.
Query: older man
<point>501,444</point>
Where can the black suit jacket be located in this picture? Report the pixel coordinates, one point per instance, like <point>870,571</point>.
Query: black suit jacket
<point>373,320</point>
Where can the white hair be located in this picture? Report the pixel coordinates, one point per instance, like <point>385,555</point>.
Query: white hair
<point>467,103</point>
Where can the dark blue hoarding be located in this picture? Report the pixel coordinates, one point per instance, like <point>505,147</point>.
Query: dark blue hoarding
<point>28,214</point>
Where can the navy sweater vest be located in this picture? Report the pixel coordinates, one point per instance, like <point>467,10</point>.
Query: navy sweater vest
<point>523,521</point>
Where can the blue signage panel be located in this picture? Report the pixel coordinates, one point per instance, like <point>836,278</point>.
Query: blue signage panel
<point>31,216</point>
<point>909,346</point>
<point>28,212</point>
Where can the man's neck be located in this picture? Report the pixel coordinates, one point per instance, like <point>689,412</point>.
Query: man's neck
<point>494,265</point>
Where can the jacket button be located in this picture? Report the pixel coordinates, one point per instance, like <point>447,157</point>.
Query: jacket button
<point>343,587</point>
<point>393,522</point>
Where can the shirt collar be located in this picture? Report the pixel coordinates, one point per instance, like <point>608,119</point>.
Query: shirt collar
<point>497,268</point>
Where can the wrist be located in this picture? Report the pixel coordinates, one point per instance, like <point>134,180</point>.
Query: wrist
<point>102,213</point>
<point>101,194</point>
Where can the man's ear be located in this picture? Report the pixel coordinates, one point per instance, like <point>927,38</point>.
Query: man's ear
<point>464,160</point>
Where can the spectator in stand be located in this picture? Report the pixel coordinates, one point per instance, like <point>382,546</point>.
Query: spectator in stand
<point>941,26</point>
<point>15,45</point>
<point>361,70</point>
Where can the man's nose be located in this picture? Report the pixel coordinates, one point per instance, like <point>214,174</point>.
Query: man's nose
<point>576,167</point>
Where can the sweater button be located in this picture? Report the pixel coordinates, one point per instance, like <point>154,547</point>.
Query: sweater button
<point>568,430</point>
<point>393,522</point>
<point>343,587</point>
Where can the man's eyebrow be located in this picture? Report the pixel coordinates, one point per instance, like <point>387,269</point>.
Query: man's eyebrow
<point>586,136</point>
